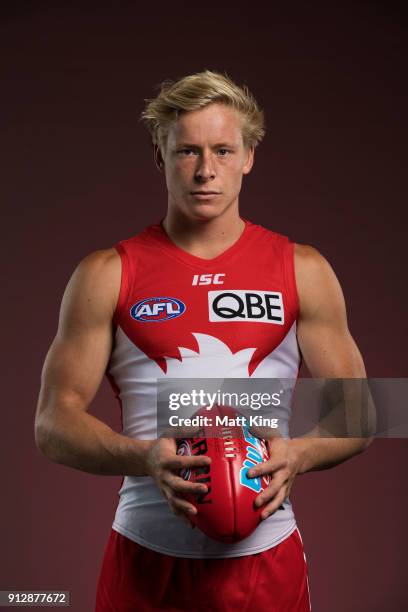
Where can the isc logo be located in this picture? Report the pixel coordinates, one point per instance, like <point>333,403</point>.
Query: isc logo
<point>208,279</point>
<point>157,309</point>
<point>246,305</point>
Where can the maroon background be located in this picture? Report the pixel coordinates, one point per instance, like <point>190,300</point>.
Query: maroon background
<point>78,175</point>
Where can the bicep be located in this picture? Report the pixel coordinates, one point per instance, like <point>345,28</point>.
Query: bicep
<point>323,335</point>
<point>329,352</point>
<point>78,356</point>
<point>74,368</point>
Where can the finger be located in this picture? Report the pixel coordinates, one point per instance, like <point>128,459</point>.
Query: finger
<point>178,504</point>
<point>270,491</point>
<point>273,505</point>
<point>180,485</point>
<point>179,462</point>
<point>184,517</point>
<point>267,467</point>
<point>167,492</point>
<point>183,506</point>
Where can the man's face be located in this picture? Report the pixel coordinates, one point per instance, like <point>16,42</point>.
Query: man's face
<point>204,161</point>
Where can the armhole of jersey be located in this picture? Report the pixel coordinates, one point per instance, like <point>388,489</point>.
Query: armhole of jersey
<point>290,277</point>
<point>124,283</point>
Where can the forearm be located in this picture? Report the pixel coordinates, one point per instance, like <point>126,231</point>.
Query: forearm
<point>80,440</point>
<point>316,453</point>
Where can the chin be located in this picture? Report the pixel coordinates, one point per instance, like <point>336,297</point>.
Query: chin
<point>205,213</point>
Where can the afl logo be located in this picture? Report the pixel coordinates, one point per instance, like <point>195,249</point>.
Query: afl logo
<point>157,309</point>
<point>184,450</point>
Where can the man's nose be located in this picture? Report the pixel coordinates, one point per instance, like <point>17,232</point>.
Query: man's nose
<point>205,167</point>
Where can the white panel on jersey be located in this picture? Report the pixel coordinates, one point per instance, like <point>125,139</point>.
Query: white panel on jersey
<point>143,515</point>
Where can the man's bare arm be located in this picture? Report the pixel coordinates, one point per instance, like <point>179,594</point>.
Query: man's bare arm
<point>76,362</point>
<point>329,352</point>
<point>328,349</point>
<point>72,373</point>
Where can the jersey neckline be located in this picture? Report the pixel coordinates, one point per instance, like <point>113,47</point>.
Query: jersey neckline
<point>158,232</point>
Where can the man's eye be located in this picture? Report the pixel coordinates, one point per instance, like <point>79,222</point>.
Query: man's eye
<point>223,152</point>
<point>186,152</point>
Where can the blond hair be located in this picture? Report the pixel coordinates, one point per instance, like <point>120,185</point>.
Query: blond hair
<point>195,91</point>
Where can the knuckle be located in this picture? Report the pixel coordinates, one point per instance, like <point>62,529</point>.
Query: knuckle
<point>180,486</point>
<point>179,462</point>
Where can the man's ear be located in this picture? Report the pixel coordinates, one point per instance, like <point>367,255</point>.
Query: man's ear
<point>250,160</point>
<point>158,157</point>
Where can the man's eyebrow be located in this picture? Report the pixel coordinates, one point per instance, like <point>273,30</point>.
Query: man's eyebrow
<point>230,145</point>
<point>218,145</point>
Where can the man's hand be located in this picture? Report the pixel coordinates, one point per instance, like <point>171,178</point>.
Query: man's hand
<point>164,465</point>
<point>282,468</point>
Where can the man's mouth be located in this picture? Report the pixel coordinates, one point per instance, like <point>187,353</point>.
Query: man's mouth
<point>202,194</point>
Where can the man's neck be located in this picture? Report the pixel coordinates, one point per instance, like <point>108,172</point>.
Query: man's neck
<point>204,238</point>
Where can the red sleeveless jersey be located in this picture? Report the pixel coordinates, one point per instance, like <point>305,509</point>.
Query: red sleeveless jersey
<point>246,297</point>
<point>182,316</point>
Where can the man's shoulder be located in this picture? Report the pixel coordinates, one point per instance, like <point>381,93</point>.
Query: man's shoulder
<point>317,284</point>
<point>307,252</point>
<point>102,258</point>
<point>309,260</point>
<point>96,280</point>
<point>103,263</point>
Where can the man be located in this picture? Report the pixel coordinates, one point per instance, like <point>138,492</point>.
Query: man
<point>204,129</point>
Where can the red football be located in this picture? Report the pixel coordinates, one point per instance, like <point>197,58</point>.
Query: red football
<point>226,512</point>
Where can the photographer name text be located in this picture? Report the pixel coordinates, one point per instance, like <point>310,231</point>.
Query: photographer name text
<point>223,421</point>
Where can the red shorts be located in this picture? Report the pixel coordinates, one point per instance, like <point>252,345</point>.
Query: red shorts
<point>134,578</point>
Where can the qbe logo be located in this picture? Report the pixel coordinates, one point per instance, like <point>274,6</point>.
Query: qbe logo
<point>246,305</point>
<point>157,309</point>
